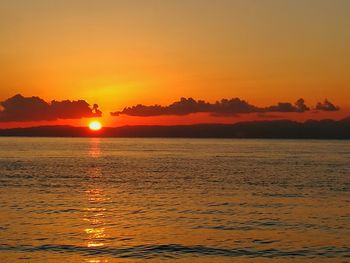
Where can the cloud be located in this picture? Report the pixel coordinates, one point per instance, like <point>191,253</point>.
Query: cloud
<point>182,107</point>
<point>225,107</point>
<point>187,106</point>
<point>229,107</point>
<point>20,109</point>
<point>326,106</point>
<point>299,106</point>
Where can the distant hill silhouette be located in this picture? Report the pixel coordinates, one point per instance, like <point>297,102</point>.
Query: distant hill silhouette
<point>324,129</point>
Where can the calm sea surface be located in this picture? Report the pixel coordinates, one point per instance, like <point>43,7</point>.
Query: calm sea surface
<point>166,200</point>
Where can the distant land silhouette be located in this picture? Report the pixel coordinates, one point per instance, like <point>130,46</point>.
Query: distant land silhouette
<point>311,129</point>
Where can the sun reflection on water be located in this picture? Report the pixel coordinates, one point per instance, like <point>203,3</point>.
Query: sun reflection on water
<point>94,217</point>
<point>96,261</point>
<point>95,149</point>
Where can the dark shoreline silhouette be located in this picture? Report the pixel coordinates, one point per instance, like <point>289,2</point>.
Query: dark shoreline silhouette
<point>279,129</point>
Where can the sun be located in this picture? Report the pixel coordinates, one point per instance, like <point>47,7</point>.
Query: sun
<point>95,125</point>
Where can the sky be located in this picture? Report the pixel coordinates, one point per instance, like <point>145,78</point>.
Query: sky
<point>119,54</point>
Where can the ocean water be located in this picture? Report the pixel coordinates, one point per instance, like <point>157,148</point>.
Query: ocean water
<point>174,200</point>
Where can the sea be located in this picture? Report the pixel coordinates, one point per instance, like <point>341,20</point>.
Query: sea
<point>101,200</point>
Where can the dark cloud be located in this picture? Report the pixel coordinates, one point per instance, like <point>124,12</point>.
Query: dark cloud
<point>182,107</point>
<point>231,107</point>
<point>299,106</point>
<point>187,106</point>
<point>326,106</point>
<point>19,108</point>
<point>225,107</point>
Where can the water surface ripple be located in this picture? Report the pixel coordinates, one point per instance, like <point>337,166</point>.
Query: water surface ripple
<point>174,200</point>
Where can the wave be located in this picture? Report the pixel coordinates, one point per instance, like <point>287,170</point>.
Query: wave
<point>177,251</point>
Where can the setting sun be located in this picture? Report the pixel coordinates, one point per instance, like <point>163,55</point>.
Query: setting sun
<point>95,126</point>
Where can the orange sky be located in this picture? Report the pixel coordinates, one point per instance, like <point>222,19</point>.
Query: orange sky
<point>121,53</point>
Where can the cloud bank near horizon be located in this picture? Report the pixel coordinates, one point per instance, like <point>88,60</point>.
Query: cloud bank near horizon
<point>225,107</point>
<point>326,106</point>
<point>21,109</point>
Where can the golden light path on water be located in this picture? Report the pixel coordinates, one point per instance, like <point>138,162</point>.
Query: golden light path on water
<point>95,213</point>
